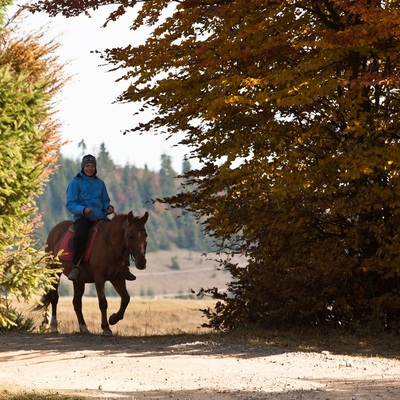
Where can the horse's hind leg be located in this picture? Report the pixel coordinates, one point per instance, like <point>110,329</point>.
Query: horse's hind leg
<point>120,287</point>
<point>79,289</point>
<point>50,298</point>
<point>49,320</point>
<point>54,302</point>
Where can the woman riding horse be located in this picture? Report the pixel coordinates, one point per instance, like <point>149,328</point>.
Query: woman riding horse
<point>88,201</point>
<point>114,244</point>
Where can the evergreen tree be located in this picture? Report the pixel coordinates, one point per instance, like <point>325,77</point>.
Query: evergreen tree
<point>82,145</point>
<point>149,187</point>
<point>167,177</point>
<point>105,165</point>
<point>131,199</point>
<point>29,141</point>
<point>51,204</point>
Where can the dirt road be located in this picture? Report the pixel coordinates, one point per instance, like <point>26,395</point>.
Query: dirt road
<point>187,369</point>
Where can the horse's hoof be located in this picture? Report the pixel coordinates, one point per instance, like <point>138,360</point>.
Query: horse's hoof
<point>113,319</point>
<point>54,325</point>
<point>84,329</point>
<point>107,332</point>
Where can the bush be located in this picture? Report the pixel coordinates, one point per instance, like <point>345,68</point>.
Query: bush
<point>14,320</point>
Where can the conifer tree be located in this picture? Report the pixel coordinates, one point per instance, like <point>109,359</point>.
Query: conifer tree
<point>167,176</point>
<point>29,77</point>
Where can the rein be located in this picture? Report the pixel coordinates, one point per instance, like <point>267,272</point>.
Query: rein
<point>131,254</point>
<point>107,239</point>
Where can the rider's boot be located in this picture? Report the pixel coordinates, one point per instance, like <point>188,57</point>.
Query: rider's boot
<point>128,275</point>
<point>74,274</point>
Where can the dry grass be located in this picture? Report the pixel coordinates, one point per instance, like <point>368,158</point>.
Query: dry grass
<point>159,279</point>
<point>165,317</point>
<point>150,316</point>
<point>142,317</point>
<point>34,395</point>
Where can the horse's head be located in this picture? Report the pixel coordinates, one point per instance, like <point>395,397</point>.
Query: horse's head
<point>135,239</point>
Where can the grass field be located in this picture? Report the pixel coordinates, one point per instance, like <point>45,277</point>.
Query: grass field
<point>158,314</point>
<point>160,279</point>
<point>142,317</point>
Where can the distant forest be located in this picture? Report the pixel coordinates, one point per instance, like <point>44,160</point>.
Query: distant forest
<point>130,189</point>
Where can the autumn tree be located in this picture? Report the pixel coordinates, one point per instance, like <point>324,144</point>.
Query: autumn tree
<point>293,109</point>
<point>29,141</point>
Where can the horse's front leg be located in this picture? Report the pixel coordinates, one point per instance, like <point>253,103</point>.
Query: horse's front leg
<point>120,286</point>
<point>103,305</point>
<point>79,289</point>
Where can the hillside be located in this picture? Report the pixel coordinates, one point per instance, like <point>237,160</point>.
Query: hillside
<point>130,189</point>
<point>161,280</point>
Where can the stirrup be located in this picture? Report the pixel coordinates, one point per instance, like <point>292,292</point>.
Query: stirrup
<point>128,275</point>
<point>74,274</point>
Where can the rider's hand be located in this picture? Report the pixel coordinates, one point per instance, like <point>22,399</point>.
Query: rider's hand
<point>110,210</point>
<point>87,210</point>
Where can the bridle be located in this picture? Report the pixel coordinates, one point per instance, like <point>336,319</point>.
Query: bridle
<point>107,239</point>
<point>132,253</point>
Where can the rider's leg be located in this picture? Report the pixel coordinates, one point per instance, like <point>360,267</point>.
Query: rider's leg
<point>81,227</point>
<point>128,275</point>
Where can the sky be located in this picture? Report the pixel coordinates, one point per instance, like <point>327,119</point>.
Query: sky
<point>85,105</point>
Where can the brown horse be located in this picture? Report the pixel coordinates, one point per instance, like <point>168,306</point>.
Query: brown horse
<point>116,240</point>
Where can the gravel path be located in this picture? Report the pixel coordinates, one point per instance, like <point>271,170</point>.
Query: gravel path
<point>174,368</point>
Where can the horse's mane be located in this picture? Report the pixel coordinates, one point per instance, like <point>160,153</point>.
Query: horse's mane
<point>119,217</point>
<point>122,217</point>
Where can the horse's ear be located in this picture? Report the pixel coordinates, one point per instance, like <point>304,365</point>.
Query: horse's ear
<point>130,218</point>
<point>145,217</point>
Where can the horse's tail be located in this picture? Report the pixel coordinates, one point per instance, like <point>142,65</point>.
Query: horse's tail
<point>44,303</point>
<point>52,242</point>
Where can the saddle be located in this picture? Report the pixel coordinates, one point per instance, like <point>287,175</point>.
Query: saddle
<point>66,244</point>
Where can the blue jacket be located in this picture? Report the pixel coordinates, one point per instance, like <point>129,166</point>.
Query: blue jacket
<point>84,191</point>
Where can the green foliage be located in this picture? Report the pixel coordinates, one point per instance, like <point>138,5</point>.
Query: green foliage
<point>168,182</point>
<point>27,144</point>
<point>35,395</point>
<point>13,320</point>
<point>3,8</point>
<point>174,263</point>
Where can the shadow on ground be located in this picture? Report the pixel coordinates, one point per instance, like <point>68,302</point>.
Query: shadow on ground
<point>338,390</point>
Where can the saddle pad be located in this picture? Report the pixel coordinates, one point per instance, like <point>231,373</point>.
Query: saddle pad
<point>66,245</point>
